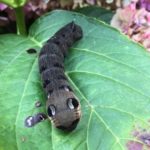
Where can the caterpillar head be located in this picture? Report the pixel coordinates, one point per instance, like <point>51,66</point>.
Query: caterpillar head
<point>70,33</point>
<point>63,109</point>
<point>76,30</point>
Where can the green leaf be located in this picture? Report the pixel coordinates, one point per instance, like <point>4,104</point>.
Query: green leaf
<point>110,75</point>
<point>14,3</point>
<point>97,12</point>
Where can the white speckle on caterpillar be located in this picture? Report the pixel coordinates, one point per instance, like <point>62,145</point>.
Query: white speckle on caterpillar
<point>66,89</point>
<point>48,96</point>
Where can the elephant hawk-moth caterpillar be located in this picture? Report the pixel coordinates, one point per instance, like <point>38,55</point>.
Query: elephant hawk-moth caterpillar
<point>62,106</point>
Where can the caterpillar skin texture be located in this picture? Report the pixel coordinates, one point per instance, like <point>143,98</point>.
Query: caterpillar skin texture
<point>63,108</point>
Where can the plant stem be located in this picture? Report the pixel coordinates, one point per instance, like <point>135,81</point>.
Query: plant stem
<point>20,21</point>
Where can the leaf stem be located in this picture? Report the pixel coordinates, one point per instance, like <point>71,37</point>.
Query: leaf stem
<point>20,21</point>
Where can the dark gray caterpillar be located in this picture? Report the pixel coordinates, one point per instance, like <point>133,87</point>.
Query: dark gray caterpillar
<point>62,106</point>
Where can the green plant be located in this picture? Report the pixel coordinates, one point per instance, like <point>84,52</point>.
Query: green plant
<point>109,73</point>
<point>18,7</point>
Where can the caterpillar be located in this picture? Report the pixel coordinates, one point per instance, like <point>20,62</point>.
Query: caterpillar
<point>62,106</point>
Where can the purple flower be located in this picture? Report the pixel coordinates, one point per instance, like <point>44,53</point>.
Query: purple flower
<point>143,4</point>
<point>3,6</point>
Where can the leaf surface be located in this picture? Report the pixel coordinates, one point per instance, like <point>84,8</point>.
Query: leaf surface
<point>97,12</point>
<point>109,73</point>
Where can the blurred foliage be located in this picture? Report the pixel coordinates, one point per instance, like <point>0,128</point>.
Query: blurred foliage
<point>14,3</point>
<point>35,8</point>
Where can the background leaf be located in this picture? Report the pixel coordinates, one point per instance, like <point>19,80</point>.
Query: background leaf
<point>97,12</point>
<point>14,3</point>
<point>110,75</point>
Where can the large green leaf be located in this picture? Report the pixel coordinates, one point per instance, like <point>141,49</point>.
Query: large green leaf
<point>110,75</point>
<point>14,3</point>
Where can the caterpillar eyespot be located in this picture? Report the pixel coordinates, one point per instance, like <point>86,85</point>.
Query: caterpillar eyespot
<point>72,103</point>
<point>51,110</point>
<point>63,108</point>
